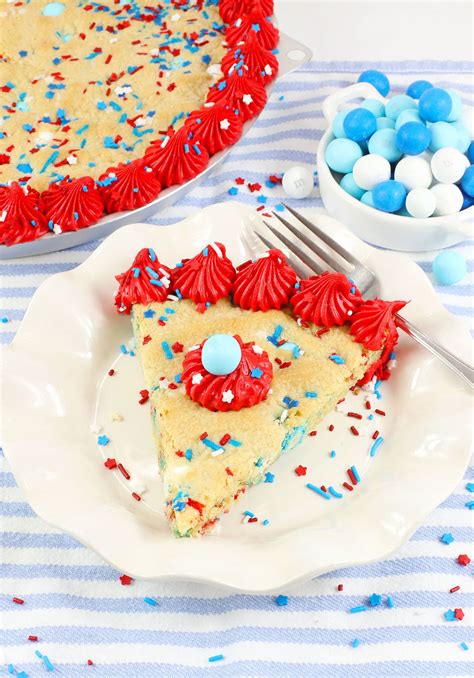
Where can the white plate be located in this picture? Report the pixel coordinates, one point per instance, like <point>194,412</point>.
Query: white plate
<point>57,390</point>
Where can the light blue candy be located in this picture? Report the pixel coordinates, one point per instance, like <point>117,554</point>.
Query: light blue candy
<point>359,124</point>
<point>350,186</point>
<point>374,106</point>
<point>467,181</point>
<point>377,79</point>
<point>464,136</point>
<point>385,123</point>
<point>389,196</point>
<point>456,106</point>
<point>368,199</point>
<point>413,138</point>
<point>409,115</point>
<point>397,104</point>
<point>416,89</point>
<point>449,267</point>
<point>53,9</point>
<point>221,354</point>
<point>435,104</point>
<point>384,143</point>
<point>342,154</point>
<point>338,125</point>
<point>442,134</point>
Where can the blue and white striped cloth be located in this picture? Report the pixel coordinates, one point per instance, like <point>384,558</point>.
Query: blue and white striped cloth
<point>76,604</point>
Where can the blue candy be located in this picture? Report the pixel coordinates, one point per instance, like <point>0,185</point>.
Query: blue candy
<point>456,106</point>
<point>449,267</point>
<point>470,153</point>
<point>435,104</point>
<point>338,124</point>
<point>413,138</point>
<point>374,106</point>
<point>377,79</point>
<point>464,136</point>
<point>442,134</point>
<point>385,123</point>
<point>221,354</point>
<point>389,196</point>
<point>53,9</point>
<point>409,115</point>
<point>359,124</point>
<point>342,154</point>
<point>467,181</point>
<point>384,143</point>
<point>350,186</point>
<point>397,104</point>
<point>417,88</point>
<point>368,199</point>
<point>467,201</point>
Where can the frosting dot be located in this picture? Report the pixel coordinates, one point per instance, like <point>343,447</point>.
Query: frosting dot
<point>53,9</point>
<point>221,354</point>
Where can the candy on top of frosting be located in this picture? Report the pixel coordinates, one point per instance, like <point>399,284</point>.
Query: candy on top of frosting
<point>246,386</point>
<point>267,33</point>
<point>146,280</point>
<point>216,125</point>
<point>20,216</point>
<point>252,58</point>
<point>231,10</point>
<point>72,204</point>
<point>326,300</point>
<point>264,284</point>
<point>241,92</point>
<point>176,158</point>
<point>128,186</point>
<point>373,323</point>
<point>206,277</point>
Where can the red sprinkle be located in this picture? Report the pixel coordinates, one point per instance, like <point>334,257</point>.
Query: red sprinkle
<point>320,333</point>
<point>179,453</point>
<point>239,181</point>
<point>254,519</point>
<point>324,488</point>
<point>177,347</point>
<point>123,471</point>
<point>381,412</point>
<point>203,435</point>
<point>146,340</point>
<point>347,486</point>
<point>111,373</point>
<point>110,463</point>
<point>225,439</point>
<point>375,435</point>
<point>463,559</point>
<point>136,496</point>
<point>18,601</point>
<point>354,430</point>
<point>458,613</point>
<point>454,589</point>
<point>354,415</point>
<point>331,427</point>
<point>228,471</point>
<point>313,433</point>
<point>352,476</point>
<point>125,580</point>
<point>367,405</point>
<point>90,662</point>
<point>283,365</point>
<point>301,470</point>
<point>144,396</point>
<point>34,639</point>
<point>340,587</point>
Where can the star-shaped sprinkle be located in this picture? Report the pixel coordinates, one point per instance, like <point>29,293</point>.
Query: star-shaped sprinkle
<point>110,463</point>
<point>257,349</point>
<point>197,378</point>
<point>256,373</point>
<point>447,538</point>
<point>149,313</point>
<point>224,124</point>
<point>459,613</point>
<point>463,559</point>
<point>125,580</point>
<point>227,396</point>
<point>269,477</point>
<point>177,347</point>
<point>247,99</point>
<point>301,470</point>
<point>103,440</point>
<point>281,600</point>
<point>449,615</point>
<point>375,599</point>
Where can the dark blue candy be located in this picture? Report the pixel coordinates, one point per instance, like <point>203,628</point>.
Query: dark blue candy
<point>417,88</point>
<point>435,104</point>
<point>413,138</point>
<point>377,79</point>
<point>359,124</point>
<point>470,153</point>
<point>389,196</point>
<point>467,181</point>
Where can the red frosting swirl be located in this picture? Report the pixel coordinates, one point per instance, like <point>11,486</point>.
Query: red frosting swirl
<point>128,186</point>
<point>240,91</point>
<point>328,299</point>
<point>215,125</point>
<point>20,216</point>
<point>206,277</point>
<point>72,203</point>
<point>256,61</point>
<point>266,32</point>
<point>264,284</point>
<point>146,280</point>
<point>176,158</point>
<point>230,9</point>
<point>373,323</point>
<point>247,385</point>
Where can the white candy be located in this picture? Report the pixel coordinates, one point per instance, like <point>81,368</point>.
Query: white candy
<point>448,165</point>
<point>298,182</point>
<point>413,172</point>
<point>420,203</point>
<point>449,199</point>
<point>371,170</point>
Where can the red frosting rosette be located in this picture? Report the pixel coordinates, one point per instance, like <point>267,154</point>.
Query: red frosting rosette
<point>128,186</point>
<point>326,300</point>
<point>72,204</point>
<point>240,91</point>
<point>256,61</point>
<point>146,280</point>
<point>264,284</point>
<point>246,386</point>
<point>20,217</point>
<point>206,277</point>
<point>266,32</point>
<point>230,9</point>
<point>215,125</point>
<point>176,158</point>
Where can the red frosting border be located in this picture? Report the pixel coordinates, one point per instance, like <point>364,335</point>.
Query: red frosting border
<point>62,196</point>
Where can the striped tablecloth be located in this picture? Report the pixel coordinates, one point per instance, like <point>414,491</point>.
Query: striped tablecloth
<point>75,603</point>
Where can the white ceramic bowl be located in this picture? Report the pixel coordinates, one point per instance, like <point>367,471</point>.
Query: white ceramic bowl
<point>379,228</point>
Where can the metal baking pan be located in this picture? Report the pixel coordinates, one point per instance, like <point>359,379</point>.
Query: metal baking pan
<point>292,55</point>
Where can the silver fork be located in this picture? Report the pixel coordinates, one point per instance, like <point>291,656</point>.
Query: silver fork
<point>333,256</point>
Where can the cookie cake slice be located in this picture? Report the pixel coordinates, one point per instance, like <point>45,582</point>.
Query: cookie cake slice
<point>241,364</point>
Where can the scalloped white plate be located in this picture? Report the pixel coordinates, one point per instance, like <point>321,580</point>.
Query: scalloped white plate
<point>58,392</point>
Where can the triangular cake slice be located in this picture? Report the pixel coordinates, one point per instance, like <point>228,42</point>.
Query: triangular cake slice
<point>223,413</point>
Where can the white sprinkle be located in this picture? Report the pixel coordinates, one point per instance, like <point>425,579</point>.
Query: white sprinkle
<point>227,396</point>
<point>164,142</point>
<point>216,249</point>
<point>175,17</point>
<point>217,453</point>
<point>72,160</point>
<point>268,69</point>
<point>283,416</point>
<point>224,124</point>
<point>247,99</point>
<point>194,348</point>
<point>3,216</point>
<point>197,378</point>
<point>257,349</point>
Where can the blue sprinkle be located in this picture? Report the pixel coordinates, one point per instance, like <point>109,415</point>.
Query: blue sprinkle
<point>262,199</point>
<point>188,454</point>
<point>23,53</point>
<point>216,658</point>
<point>279,207</point>
<point>470,505</point>
<point>355,642</point>
<point>170,311</point>
<point>334,493</point>
<point>151,254</point>
<point>389,602</point>
<point>449,615</point>
<point>256,27</point>
<point>375,600</point>
<point>470,487</point>
<point>290,403</point>
<point>148,313</point>
<point>103,440</point>
<point>265,522</point>
<point>163,318</point>
<point>178,294</point>
<point>356,473</point>
<point>233,442</point>
<point>151,272</point>
<point>177,378</point>
<point>39,654</point>
<point>332,454</point>
<point>136,274</point>
<point>233,191</point>
<point>101,105</point>
<point>211,444</point>
<point>5,319</point>
<point>359,608</point>
<point>25,167</point>
<point>318,490</point>
<point>47,663</point>
<point>463,646</point>
<point>311,394</point>
<point>249,514</point>
<point>256,373</point>
<point>269,477</point>
<point>197,149</point>
<point>375,446</point>
<point>51,159</point>
<point>11,669</point>
<point>82,129</point>
<point>166,350</point>
<point>370,417</point>
<point>150,601</point>
<point>205,252</point>
<point>337,359</point>
<point>259,462</point>
<point>157,283</point>
<point>281,600</point>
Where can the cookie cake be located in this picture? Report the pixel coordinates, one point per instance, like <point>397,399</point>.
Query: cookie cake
<point>105,104</point>
<point>240,364</point>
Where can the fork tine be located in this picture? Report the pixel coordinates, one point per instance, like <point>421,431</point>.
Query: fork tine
<point>330,242</point>
<point>301,269</point>
<point>295,250</point>
<point>327,257</point>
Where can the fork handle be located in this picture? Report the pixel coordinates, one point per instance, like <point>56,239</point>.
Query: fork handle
<point>461,368</point>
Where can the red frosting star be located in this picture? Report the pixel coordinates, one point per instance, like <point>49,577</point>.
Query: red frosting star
<point>301,470</point>
<point>125,580</point>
